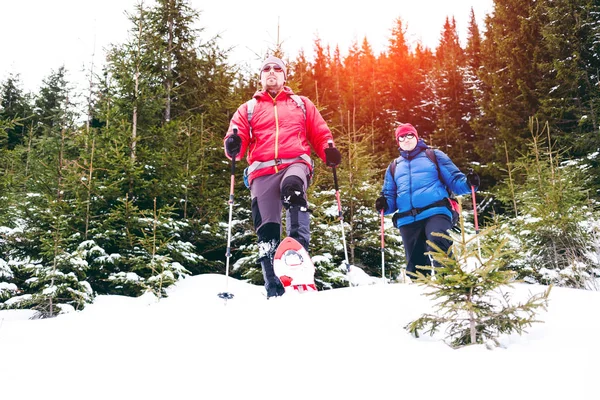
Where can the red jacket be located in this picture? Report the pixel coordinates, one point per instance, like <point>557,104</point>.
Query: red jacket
<point>279,131</point>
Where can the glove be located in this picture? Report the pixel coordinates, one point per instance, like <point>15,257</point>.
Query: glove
<point>233,145</point>
<point>473,179</point>
<point>333,157</point>
<point>381,204</point>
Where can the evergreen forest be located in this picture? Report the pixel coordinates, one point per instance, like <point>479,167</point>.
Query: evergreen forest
<point>123,188</point>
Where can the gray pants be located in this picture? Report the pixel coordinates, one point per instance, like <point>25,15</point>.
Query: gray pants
<point>270,193</point>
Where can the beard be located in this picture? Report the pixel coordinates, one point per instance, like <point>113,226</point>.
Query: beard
<point>273,85</point>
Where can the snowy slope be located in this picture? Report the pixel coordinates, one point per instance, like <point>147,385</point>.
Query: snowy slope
<point>339,344</point>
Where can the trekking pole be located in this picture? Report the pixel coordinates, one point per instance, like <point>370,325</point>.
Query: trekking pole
<point>226,295</point>
<point>475,216</point>
<point>382,247</point>
<point>340,214</point>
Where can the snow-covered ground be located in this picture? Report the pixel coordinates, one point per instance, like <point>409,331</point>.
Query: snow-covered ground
<point>339,344</point>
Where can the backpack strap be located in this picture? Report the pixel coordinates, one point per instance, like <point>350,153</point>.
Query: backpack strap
<point>431,155</point>
<point>300,104</point>
<point>250,109</point>
<point>392,167</point>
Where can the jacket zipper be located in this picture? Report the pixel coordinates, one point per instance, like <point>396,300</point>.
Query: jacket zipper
<point>276,133</point>
<point>410,186</point>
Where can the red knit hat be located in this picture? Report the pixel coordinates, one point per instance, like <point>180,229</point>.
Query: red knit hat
<point>405,129</point>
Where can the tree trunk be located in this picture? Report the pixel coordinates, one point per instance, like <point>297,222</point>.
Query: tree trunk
<point>472,324</point>
<point>89,189</point>
<point>169,80</point>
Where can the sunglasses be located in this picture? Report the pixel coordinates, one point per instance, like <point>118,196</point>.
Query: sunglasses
<point>403,138</point>
<point>275,68</point>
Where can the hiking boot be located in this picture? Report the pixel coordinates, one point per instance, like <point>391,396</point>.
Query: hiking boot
<point>274,288</point>
<point>273,284</point>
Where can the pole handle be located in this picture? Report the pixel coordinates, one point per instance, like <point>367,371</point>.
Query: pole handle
<point>235,133</point>
<point>335,180</point>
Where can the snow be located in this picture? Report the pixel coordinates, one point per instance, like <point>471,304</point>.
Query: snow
<point>344,343</point>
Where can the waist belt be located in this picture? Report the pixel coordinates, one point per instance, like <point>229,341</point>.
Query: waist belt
<point>415,211</point>
<point>256,165</point>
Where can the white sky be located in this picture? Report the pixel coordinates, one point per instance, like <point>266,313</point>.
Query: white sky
<point>38,36</point>
<point>345,343</point>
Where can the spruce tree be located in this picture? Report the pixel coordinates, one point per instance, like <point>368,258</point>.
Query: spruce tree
<point>14,106</point>
<point>474,88</point>
<point>9,164</point>
<point>425,65</point>
<point>455,104</point>
<point>569,62</point>
<point>552,206</point>
<point>470,283</point>
<point>400,83</point>
<point>509,77</point>
<point>322,82</point>
<point>473,49</point>
<point>54,277</point>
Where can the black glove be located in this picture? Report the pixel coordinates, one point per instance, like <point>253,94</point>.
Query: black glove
<point>381,204</point>
<point>233,145</point>
<point>333,157</point>
<point>473,179</point>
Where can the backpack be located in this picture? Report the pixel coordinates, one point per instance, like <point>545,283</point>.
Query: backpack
<point>250,112</point>
<point>452,205</point>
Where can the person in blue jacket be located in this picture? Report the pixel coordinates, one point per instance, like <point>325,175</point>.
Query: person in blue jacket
<point>418,195</point>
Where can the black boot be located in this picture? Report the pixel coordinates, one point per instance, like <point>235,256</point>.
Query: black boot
<point>273,285</point>
<point>266,252</point>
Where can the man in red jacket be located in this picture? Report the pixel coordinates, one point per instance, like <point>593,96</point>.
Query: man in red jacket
<point>277,128</point>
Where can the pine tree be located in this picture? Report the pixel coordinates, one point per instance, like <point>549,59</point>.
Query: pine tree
<point>185,101</point>
<point>473,49</point>
<point>11,178</point>
<point>14,106</point>
<point>509,78</point>
<point>301,76</point>
<point>138,95</point>
<point>569,63</point>
<point>154,261</point>
<point>321,79</point>
<point>368,104</point>
<point>54,277</point>
<point>399,80</point>
<point>425,117</point>
<point>468,282</point>
<point>474,88</point>
<point>12,174</point>
<point>454,101</point>
<point>50,111</point>
<point>551,196</point>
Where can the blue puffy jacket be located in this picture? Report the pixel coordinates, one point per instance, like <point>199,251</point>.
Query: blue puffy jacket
<point>416,184</point>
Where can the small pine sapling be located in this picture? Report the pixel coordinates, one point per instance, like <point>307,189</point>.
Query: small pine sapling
<point>467,282</point>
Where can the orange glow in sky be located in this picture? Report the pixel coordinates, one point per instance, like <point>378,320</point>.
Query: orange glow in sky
<point>41,35</point>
